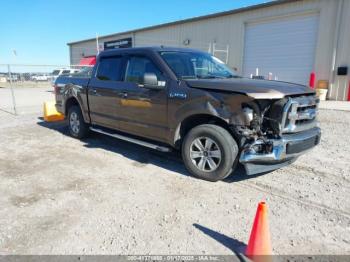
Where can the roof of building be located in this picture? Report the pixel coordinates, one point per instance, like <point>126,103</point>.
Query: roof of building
<point>198,18</point>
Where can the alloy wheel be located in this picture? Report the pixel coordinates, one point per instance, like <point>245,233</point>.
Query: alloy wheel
<point>205,154</point>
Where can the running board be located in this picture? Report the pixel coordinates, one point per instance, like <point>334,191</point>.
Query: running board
<point>132,140</point>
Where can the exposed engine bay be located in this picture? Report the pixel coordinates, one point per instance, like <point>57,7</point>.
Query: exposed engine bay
<point>267,120</point>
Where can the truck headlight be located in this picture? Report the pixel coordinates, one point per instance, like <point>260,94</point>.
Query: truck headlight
<point>248,114</point>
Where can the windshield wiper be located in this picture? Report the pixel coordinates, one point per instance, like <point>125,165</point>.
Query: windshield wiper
<point>209,77</point>
<point>233,76</point>
<point>187,77</point>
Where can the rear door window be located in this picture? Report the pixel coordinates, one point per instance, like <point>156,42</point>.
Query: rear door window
<point>110,68</point>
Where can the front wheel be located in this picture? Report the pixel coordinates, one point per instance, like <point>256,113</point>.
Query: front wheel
<point>209,152</point>
<point>77,127</point>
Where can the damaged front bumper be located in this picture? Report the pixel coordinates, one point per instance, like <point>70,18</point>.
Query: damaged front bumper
<point>281,152</point>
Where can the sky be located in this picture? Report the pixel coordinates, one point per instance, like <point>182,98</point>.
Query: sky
<point>39,30</point>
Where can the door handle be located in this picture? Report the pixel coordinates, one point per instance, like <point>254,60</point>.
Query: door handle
<point>123,94</point>
<point>94,92</point>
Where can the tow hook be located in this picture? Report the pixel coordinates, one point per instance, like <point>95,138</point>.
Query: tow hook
<point>261,146</point>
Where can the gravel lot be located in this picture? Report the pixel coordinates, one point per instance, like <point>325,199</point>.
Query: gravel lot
<point>28,100</point>
<point>103,196</point>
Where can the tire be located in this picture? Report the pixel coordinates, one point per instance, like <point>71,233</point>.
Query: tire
<point>207,144</point>
<point>77,127</point>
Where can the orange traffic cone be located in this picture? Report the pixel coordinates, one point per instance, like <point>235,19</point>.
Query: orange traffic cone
<point>259,242</point>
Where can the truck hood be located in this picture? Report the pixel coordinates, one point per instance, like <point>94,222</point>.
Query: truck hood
<point>258,89</point>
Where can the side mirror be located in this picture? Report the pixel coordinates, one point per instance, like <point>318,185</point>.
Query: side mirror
<point>150,81</point>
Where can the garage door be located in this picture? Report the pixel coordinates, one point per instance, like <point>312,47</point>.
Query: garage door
<point>283,47</point>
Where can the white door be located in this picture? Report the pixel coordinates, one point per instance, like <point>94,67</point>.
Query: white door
<point>284,47</point>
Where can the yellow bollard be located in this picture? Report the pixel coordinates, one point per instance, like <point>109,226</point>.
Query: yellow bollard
<point>50,112</point>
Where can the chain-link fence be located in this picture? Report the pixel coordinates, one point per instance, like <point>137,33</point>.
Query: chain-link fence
<point>24,88</point>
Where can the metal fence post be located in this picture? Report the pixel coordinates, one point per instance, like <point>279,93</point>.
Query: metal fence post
<point>12,92</point>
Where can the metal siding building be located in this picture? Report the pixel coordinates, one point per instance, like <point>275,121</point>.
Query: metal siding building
<point>289,39</point>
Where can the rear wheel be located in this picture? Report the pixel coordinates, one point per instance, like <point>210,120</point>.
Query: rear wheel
<point>209,152</point>
<point>77,127</point>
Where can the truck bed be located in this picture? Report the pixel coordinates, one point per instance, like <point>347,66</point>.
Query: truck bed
<point>65,85</point>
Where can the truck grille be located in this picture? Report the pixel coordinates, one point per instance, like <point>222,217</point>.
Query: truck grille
<point>299,114</point>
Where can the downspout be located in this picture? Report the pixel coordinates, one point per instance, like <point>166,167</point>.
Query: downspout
<point>97,46</point>
<point>335,47</point>
<point>70,55</point>
<point>133,44</point>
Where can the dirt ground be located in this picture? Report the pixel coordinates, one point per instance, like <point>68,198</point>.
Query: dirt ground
<point>26,84</point>
<point>28,100</point>
<point>59,195</point>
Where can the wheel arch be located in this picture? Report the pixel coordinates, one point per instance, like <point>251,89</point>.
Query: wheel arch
<point>71,101</point>
<point>195,120</point>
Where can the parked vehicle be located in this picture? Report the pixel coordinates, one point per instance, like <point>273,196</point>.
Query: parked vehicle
<point>42,77</point>
<point>13,78</point>
<point>63,71</point>
<point>173,98</point>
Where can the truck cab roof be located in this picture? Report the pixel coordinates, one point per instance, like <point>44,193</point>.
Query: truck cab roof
<point>149,49</point>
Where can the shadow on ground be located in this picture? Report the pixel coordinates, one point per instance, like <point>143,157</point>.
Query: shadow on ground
<point>140,155</point>
<point>236,246</point>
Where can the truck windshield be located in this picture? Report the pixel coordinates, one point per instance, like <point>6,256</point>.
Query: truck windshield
<point>191,65</point>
